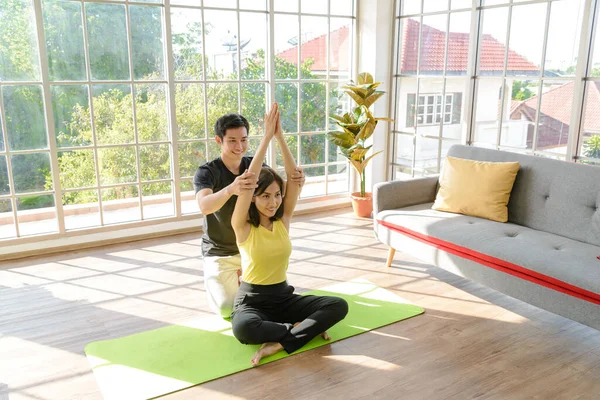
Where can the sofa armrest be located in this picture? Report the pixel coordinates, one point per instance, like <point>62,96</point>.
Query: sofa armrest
<point>396,194</point>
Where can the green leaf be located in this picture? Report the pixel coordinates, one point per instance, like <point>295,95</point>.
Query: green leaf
<point>367,130</point>
<point>359,154</point>
<point>365,77</point>
<point>372,99</point>
<point>357,98</point>
<point>366,161</point>
<point>341,139</point>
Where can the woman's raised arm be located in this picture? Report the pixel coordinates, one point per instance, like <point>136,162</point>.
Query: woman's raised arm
<point>239,219</point>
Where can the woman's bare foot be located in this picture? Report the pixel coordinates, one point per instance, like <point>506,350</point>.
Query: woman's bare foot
<point>267,349</point>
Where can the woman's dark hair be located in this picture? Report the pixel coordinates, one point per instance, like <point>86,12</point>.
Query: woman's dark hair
<point>230,121</point>
<point>265,179</point>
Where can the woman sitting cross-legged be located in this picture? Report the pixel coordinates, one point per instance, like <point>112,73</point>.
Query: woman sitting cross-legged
<point>265,310</point>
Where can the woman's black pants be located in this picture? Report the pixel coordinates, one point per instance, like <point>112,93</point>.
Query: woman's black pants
<point>267,313</point>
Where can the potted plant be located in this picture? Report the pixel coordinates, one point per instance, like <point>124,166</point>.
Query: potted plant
<point>357,126</point>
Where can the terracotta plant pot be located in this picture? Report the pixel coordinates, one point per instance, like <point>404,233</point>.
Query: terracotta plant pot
<point>363,206</point>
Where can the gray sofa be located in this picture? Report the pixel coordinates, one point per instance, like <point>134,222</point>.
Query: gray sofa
<point>546,254</point>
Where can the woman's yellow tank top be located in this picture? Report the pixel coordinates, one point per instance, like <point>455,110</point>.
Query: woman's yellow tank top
<point>265,254</point>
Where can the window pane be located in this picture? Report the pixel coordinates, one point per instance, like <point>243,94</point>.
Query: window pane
<point>222,99</point>
<point>113,114</point>
<point>189,110</point>
<point>403,151</point>
<point>407,111</point>
<point>221,44</point>
<point>189,205</point>
<point>525,56</point>
<point>286,5</point>
<point>563,38</point>
<point>487,112</point>
<point>590,140</point>
<point>31,172</point>
<point>286,94</point>
<point>157,200</point>
<point>120,204</point>
<point>25,121</point>
<point>410,45</point>
<point>4,184</point>
<point>36,215</point>
<point>493,42</point>
<point>107,41</point>
<point>63,31</point>
<point>340,48</point>
<point>292,142</point>
<point>313,6</point>
<point>312,149</point>
<point>454,125</point>
<point>186,2</point>
<point>70,106</point>
<point>117,165</point>
<point>408,7</point>
<point>427,156</point>
<point>7,221</point>
<point>151,113</point>
<point>458,43</point>
<point>253,106</point>
<point>315,182</point>
<point>314,101</point>
<point>19,56</point>
<point>81,209</point>
<point>155,162</point>
<point>555,116</point>
<point>186,27</point>
<point>146,42</point>
<point>147,1</point>
<point>434,5</point>
<point>286,46</point>
<point>191,156</point>
<point>313,51</point>
<point>518,128</point>
<point>220,3</point>
<point>337,179</point>
<point>253,4</point>
<point>77,169</point>
<point>458,4</point>
<point>253,41</point>
<point>342,7</point>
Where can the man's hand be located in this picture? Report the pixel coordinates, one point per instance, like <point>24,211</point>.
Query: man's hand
<point>298,177</point>
<point>244,182</point>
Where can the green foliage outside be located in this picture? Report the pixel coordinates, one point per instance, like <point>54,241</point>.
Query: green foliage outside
<point>591,148</point>
<point>113,111</point>
<point>521,90</point>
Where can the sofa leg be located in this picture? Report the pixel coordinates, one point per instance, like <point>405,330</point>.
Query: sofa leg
<point>390,257</point>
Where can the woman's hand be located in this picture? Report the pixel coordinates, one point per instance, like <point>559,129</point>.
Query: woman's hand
<point>271,120</point>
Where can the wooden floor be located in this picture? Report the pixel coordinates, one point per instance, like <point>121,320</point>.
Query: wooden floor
<point>472,342</point>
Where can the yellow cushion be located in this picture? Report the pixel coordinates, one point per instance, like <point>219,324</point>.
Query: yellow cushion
<point>476,188</point>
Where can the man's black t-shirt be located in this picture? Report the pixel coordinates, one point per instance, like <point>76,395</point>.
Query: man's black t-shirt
<point>218,238</point>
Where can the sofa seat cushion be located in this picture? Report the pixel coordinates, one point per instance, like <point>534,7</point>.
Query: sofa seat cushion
<point>547,259</point>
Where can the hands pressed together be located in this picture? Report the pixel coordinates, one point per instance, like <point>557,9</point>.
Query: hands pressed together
<point>248,180</point>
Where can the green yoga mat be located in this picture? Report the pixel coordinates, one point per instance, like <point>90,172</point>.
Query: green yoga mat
<point>161,361</point>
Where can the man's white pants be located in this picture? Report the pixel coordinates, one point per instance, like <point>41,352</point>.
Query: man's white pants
<point>221,282</point>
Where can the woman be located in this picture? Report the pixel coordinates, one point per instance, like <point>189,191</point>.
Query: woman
<point>265,310</point>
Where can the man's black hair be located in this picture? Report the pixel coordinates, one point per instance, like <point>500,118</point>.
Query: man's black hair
<point>230,121</point>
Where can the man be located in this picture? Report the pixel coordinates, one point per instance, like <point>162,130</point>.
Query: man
<point>217,184</point>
